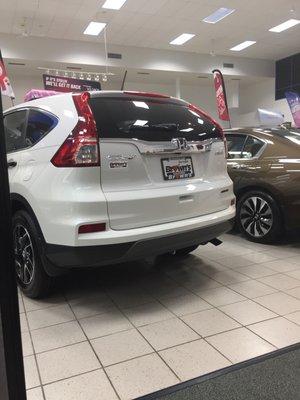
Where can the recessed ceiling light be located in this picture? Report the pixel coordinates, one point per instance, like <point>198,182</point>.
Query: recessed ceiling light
<point>94,28</point>
<point>182,39</point>
<point>218,15</point>
<point>285,25</point>
<point>243,45</point>
<point>113,4</point>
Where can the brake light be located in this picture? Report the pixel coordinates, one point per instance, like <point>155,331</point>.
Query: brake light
<point>146,94</point>
<point>92,228</point>
<point>81,148</point>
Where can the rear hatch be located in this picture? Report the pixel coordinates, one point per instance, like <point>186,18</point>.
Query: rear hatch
<point>161,159</point>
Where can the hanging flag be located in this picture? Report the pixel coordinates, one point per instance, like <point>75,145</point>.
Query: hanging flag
<point>293,99</point>
<point>5,85</point>
<point>221,95</point>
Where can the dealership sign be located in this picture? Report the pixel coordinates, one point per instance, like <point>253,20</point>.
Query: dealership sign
<point>66,84</point>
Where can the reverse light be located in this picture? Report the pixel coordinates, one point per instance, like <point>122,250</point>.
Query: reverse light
<point>92,228</point>
<point>81,148</point>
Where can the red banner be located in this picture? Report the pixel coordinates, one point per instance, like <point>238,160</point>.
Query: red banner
<point>5,85</point>
<point>221,95</point>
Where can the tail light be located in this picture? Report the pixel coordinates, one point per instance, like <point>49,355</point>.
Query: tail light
<point>81,148</point>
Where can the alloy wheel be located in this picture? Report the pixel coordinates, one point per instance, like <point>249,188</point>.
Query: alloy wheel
<point>256,216</point>
<point>24,255</point>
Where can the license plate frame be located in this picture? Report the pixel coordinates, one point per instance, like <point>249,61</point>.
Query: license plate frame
<point>177,174</point>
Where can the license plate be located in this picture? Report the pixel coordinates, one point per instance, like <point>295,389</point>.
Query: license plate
<point>177,168</point>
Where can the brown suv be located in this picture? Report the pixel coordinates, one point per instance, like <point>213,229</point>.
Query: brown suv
<point>264,165</point>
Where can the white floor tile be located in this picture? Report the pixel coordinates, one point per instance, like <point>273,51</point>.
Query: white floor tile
<point>252,289</point>
<point>247,312</point>
<point>294,274</point>
<point>278,331</point>
<point>91,386</point>
<point>280,281</point>
<point>141,376</point>
<point>193,359</point>
<point>280,303</point>
<point>90,306</point>
<point>148,314</point>
<point>49,316</point>
<point>230,277</point>
<point>256,271</point>
<point>105,324</point>
<point>281,265</point>
<point>220,296</point>
<point>31,373</point>
<point>240,344</point>
<point>66,362</point>
<point>187,304</point>
<point>210,322</point>
<point>168,333</point>
<point>35,394</point>
<point>121,347</point>
<point>294,317</point>
<point>61,335</point>
<point>23,323</point>
<point>50,301</point>
<point>26,344</point>
<point>294,292</point>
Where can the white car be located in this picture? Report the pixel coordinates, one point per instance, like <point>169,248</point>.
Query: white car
<point>105,177</point>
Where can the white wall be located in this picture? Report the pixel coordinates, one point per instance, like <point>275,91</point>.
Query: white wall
<point>260,95</point>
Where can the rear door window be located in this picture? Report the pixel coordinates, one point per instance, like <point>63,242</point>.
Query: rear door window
<point>14,128</point>
<point>39,124</point>
<point>235,144</point>
<point>149,119</point>
<point>252,147</point>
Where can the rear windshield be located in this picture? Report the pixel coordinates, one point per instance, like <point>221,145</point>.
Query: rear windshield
<point>149,119</point>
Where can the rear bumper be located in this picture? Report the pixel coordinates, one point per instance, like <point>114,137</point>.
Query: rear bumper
<point>94,256</point>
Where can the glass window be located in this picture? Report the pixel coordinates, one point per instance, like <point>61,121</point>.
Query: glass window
<point>235,145</point>
<point>39,124</point>
<point>252,147</point>
<point>14,127</point>
<point>150,119</point>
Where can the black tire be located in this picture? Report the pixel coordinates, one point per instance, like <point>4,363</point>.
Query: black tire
<point>259,220</point>
<point>31,276</point>
<point>185,251</point>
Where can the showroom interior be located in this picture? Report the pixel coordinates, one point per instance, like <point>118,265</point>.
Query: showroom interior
<point>169,266</point>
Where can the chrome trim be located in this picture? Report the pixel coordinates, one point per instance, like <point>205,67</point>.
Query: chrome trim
<point>153,148</point>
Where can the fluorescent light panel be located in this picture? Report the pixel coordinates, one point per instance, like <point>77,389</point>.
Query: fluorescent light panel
<point>285,25</point>
<point>243,45</point>
<point>113,4</point>
<point>218,15</point>
<point>182,39</point>
<point>94,28</point>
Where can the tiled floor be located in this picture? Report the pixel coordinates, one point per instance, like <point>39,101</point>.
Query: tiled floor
<point>128,330</point>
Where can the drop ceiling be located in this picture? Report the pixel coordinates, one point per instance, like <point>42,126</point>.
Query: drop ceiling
<point>154,23</point>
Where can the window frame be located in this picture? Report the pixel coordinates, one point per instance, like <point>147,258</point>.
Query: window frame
<point>28,109</point>
<point>247,135</point>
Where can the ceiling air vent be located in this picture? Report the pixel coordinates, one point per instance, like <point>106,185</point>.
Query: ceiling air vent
<point>228,65</point>
<point>74,68</point>
<point>16,63</point>
<point>143,73</point>
<point>115,55</point>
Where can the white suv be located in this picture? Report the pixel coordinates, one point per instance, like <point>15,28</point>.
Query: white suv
<point>105,177</point>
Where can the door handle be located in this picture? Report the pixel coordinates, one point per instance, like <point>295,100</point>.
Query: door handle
<point>236,166</point>
<point>11,164</point>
